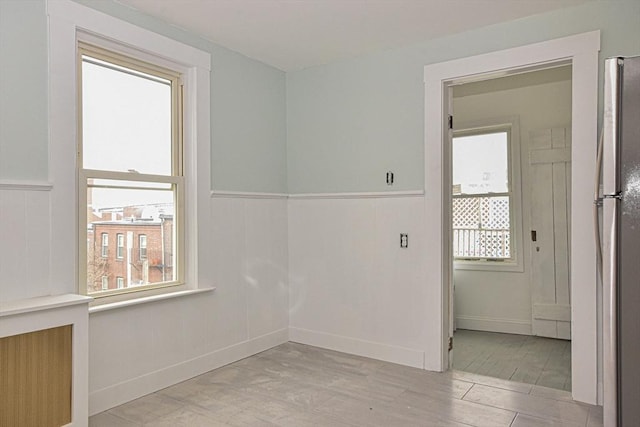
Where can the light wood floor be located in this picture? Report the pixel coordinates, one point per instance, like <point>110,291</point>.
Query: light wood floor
<point>298,385</point>
<point>523,358</point>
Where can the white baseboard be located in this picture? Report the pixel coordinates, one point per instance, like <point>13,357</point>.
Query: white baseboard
<point>109,397</point>
<point>507,326</point>
<point>374,350</point>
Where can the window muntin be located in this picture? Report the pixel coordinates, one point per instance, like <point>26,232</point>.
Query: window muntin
<point>130,166</point>
<point>482,210</point>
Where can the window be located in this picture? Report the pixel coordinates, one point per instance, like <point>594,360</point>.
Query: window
<point>105,283</point>
<point>74,27</point>
<point>130,157</point>
<point>143,246</point>
<point>105,245</point>
<point>484,197</point>
<point>120,246</point>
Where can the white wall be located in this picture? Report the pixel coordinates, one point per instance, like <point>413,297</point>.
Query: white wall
<point>140,349</point>
<point>353,288</point>
<point>24,252</point>
<point>494,300</point>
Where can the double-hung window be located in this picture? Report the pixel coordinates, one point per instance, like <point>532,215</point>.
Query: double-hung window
<point>105,245</point>
<point>130,168</point>
<point>483,196</point>
<point>143,246</point>
<point>120,246</point>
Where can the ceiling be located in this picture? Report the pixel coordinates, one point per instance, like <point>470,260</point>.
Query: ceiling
<point>295,34</point>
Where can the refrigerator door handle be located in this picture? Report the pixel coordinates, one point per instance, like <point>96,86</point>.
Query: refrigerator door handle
<point>611,199</point>
<point>617,196</point>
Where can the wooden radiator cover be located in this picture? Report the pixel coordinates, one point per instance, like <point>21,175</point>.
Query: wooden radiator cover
<point>35,378</point>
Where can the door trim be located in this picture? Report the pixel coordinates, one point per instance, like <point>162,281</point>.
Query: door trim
<point>581,51</point>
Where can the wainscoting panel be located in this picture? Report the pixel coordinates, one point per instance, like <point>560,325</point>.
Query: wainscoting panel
<point>141,349</point>
<point>350,280</point>
<point>25,227</point>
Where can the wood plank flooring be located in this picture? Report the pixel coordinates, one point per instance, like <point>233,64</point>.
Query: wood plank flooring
<point>523,358</point>
<point>299,385</point>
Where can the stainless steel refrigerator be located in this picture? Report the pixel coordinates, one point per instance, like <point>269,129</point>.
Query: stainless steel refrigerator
<point>621,242</point>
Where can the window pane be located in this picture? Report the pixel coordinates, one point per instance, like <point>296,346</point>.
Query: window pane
<point>126,215</point>
<point>126,120</point>
<point>480,164</point>
<point>481,227</point>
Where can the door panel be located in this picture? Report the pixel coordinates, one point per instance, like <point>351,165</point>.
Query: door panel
<point>550,167</point>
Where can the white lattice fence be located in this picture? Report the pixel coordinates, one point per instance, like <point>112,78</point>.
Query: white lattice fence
<point>481,227</point>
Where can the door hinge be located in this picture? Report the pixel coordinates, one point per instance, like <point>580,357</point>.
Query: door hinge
<point>450,343</point>
<point>451,122</point>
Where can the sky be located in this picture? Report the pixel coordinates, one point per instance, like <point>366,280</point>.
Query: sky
<point>126,123</point>
<point>480,163</point>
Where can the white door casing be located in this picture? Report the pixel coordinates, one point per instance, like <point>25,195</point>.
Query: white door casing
<point>581,51</point>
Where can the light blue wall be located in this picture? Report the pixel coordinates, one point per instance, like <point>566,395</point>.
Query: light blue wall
<point>23,91</point>
<point>351,121</point>
<point>332,128</point>
<point>248,114</point>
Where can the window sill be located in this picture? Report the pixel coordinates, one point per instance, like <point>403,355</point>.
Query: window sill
<point>146,299</point>
<point>512,267</point>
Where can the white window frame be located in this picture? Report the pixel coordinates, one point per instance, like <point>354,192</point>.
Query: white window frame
<point>142,247</point>
<point>120,246</point>
<point>119,282</point>
<point>512,126</point>
<point>70,22</point>
<point>105,283</point>
<point>139,62</point>
<point>104,245</point>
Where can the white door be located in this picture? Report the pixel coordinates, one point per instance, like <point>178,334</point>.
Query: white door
<point>550,169</point>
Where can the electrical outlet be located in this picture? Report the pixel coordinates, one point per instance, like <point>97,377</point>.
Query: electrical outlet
<point>404,240</point>
<point>389,178</point>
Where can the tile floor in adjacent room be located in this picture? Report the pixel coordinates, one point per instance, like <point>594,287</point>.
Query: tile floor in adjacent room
<point>299,385</point>
<point>522,358</point>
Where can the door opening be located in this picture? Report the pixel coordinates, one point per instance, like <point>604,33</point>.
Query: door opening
<point>510,175</point>
<point>581,52</point>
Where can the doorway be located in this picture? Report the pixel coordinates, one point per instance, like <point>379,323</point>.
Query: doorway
<point>581,51</point>
<point>510,227</point>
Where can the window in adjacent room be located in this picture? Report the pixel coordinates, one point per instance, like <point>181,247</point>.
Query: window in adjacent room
<point>131,169</point>
<point>483,196</point>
